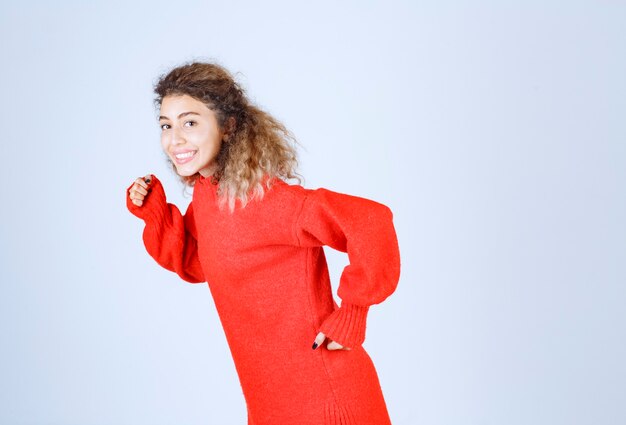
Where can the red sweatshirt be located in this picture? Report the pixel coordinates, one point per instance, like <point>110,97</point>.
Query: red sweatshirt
<point>267,273</point>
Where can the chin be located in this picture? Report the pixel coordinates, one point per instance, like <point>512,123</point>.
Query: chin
<point>185,172</point>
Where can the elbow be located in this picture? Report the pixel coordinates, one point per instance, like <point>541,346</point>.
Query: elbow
<point>190,271</point>
<point>392,249</point>
<point>381,212</point>
<point>192,279</point>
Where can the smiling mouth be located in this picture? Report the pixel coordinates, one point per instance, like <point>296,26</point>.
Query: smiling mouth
<point>182,158</point>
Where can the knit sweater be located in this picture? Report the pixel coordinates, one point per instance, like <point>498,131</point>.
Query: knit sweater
<point>267,273</point>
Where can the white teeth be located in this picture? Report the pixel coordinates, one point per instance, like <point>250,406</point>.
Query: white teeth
<point>184,155</point>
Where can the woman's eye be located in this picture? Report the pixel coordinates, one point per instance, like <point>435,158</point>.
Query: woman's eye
<point>166,126</point>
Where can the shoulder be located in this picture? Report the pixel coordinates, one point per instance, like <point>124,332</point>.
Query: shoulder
<point>286,192</point>
<point>296,195</point>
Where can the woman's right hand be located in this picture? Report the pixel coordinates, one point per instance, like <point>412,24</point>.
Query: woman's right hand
<point>140,189</point>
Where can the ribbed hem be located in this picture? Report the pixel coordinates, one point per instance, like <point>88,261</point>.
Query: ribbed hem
<point>154,208</point>
<point>346,325</point>
<point>338,415</point>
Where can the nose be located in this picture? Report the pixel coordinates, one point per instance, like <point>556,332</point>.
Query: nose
<point>176,137</point>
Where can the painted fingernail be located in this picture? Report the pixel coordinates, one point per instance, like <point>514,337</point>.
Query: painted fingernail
<point>314,345</point>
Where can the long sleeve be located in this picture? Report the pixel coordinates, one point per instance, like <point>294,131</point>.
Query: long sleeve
<point>364,230</point>
<point>169,237</point>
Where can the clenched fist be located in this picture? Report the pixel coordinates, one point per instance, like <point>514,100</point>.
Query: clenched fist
<point>140,189</point>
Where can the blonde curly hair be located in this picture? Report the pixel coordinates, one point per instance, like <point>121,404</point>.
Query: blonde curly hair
<point>258,145</point>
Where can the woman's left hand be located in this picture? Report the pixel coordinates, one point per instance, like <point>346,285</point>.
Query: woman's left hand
<point>332,345</point>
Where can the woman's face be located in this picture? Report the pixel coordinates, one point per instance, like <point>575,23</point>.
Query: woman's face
<point>190,135</point>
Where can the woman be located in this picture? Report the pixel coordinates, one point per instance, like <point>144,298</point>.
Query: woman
<point>257,241</point>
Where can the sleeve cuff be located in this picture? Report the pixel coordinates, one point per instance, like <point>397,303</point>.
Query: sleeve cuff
<point>346,325</point>
<point>154,208</point>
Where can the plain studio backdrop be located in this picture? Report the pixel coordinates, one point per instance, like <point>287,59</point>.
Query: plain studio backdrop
<point>495,131</point>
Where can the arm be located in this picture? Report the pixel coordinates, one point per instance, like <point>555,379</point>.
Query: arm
<point>364,229</point>
<point>170,238</point>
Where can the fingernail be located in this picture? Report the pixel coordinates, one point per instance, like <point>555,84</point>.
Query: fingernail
<point>314,345</point>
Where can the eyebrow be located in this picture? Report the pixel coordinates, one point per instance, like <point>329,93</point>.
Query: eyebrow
<point>182,114</point>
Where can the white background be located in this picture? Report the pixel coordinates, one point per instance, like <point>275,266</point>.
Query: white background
<point>495,131</point>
